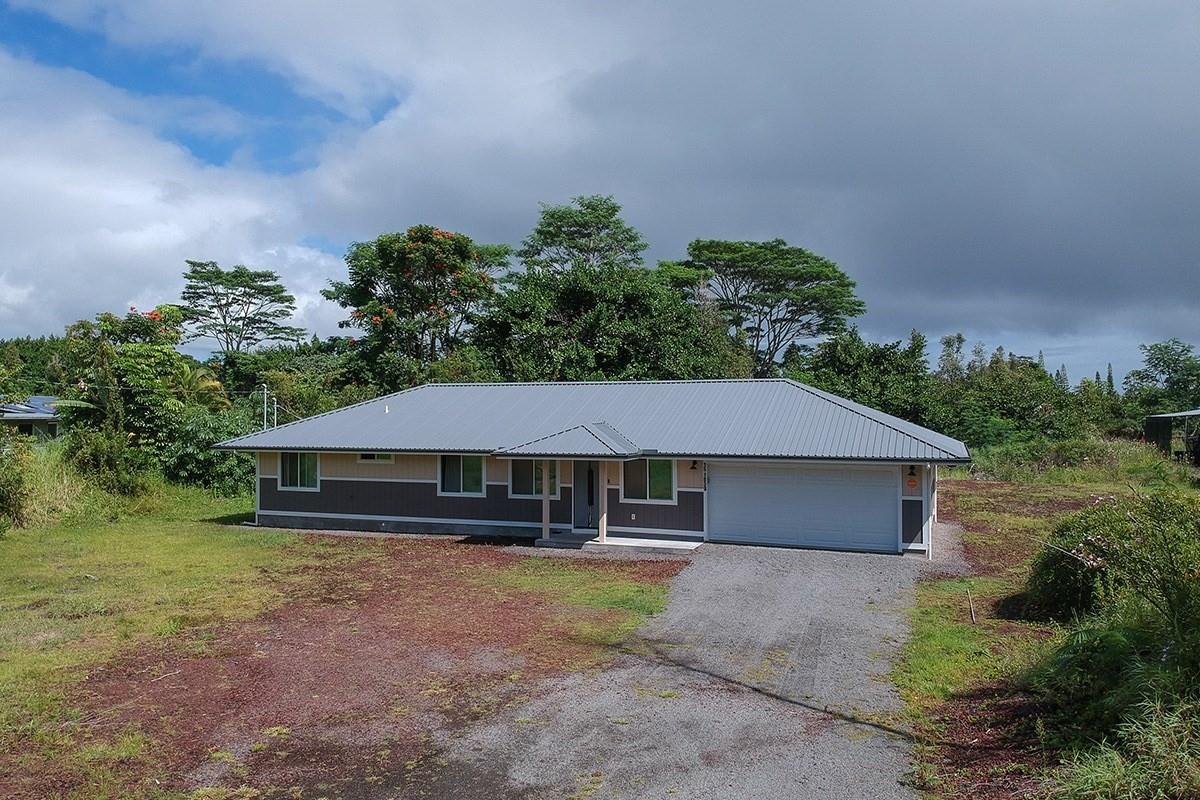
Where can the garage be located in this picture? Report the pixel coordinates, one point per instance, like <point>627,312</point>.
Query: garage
<point>799,505</point>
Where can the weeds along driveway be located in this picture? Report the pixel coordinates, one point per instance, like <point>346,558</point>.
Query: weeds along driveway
<point>765,678</point>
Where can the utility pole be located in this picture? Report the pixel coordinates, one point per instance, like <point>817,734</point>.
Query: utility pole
<point>264,427</point>
<point>275,414</point>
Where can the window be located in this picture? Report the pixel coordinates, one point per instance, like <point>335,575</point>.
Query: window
<point>376,458</point>
<point>52,430</point>
<point>25,428</point>
<point>298,471</point>
<point>461,475</point>
<point>649,479</point>
<point>527,479</point>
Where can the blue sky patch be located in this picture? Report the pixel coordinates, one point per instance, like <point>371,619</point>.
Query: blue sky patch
<point>281,131</point>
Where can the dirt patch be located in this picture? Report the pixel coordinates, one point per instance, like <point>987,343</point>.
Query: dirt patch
<point>1005,523</point>
<point>987,745</point>
<point>348,689</point>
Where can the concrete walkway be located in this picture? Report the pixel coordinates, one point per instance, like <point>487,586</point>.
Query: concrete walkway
<point>765,678</point>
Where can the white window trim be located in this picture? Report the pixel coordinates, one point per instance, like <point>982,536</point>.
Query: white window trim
<point>279,473</point>
<point>379,458</point>
<point>674,501</point>
<point>483,483</point>
<point>555,495</point>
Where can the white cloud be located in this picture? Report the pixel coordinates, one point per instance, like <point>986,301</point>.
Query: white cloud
<point>1020,173</point>
<point>100,212</point>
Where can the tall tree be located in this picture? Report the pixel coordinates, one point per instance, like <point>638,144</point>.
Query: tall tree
<point>1169,378</point>
<point>775,294</point>
<point>414,294</point>
<point>589,232</point>
<point>237,308</point>
<point>605,323</point>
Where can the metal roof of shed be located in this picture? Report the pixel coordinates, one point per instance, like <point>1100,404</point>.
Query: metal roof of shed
<point>37,407</point>
<point>1195,412</point>
<point>764,418</point>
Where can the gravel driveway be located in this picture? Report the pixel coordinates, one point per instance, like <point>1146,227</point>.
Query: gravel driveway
<point>765,678</point>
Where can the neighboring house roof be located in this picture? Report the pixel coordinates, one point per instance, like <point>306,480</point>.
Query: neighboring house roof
<point>765,418</point>
<point>38,407</point>
<point>1195,412</point>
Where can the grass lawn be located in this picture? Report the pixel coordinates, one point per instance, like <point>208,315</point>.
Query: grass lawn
<point>960,679</point>
<point>169,654</point>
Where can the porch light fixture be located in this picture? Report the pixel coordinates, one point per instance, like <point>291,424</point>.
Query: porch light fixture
<point>694,464</point>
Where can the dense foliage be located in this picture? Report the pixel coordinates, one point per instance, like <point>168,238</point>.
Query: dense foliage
<point>604,323</point>
<point>414,294</point>
<point>191,460</point>
<point>1127,573</point>
<point>15,461</point>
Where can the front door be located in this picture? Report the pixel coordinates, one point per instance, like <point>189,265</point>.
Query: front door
<point>584,489</point>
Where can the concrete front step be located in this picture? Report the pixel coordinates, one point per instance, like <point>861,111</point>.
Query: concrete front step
<point>617,544</point>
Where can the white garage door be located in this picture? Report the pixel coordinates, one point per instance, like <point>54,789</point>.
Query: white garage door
<point>838,507</point>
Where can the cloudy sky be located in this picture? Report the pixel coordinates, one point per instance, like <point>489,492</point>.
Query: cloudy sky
<point>1025,172</point>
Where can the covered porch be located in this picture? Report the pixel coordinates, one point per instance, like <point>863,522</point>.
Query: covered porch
<point>613,483</point>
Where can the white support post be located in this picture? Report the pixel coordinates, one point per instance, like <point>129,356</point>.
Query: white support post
<point>928,505</point>
<point>546,500</point>
<point>602,524</point>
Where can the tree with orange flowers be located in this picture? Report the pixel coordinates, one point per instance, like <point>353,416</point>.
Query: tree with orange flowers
<point>414,294</point>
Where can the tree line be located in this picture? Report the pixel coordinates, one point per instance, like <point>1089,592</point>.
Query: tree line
<point>575,301</point>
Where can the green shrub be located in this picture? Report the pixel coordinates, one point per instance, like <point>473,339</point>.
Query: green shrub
<point>1099,674</point>
<point>1062,584</point>
<point>190,459</point>
<point>106,456</point>
<point>1156,754</point>
<point>16,458</point>
<point>1134,565</point>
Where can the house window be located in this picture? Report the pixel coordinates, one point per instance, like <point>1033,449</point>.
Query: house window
<point>649,480</point>
<point>527,479</point>
<point>376,458</point>
<point>298,471</point>
<point>25,428</point>
<point>52,430</point>
<point>461,475</point>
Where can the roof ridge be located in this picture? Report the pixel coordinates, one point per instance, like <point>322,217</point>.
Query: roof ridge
<point>603,383</point>
<point>632,444</point>
<point>841,402</point>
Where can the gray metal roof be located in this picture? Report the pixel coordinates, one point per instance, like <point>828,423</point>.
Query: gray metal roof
<point>1195,412</point>
<point>766,418</point>
<point>597,440</point>
<point>38,407</point>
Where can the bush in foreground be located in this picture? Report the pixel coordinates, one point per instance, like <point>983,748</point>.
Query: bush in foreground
<point>1154,755</point>
<point>1128,676</point>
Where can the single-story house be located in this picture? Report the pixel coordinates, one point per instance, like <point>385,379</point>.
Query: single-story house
<point>36,416</point>
<point>768,461</point>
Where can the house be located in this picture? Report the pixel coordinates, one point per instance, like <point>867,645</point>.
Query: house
<point>753,461</point>
<point>34,417</point>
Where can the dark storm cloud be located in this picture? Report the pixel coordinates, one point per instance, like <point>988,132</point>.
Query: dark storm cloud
<point>1024,172</point>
